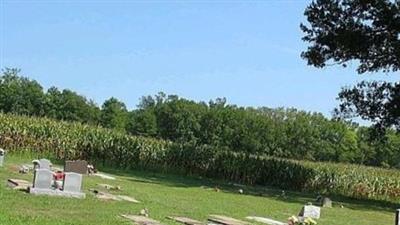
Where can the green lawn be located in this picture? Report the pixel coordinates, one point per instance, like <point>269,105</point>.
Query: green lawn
<point>167,195</point>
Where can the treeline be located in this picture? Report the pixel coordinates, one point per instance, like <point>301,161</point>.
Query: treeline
<point>284,133</point>
<point>22,96</point>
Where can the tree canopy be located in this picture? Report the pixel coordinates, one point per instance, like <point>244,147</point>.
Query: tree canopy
<point>365,31</point>
<point>340,31</point>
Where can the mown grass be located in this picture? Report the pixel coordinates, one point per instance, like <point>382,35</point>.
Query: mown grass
<point>166,195</point>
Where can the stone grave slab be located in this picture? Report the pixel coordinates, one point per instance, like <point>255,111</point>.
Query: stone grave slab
<point>226,220</point>
<point>78,166</point>
<point>265,220</point>
<point>127,198</point>
<point>18,184</point>
<point>310,211</point>
<point>107,196</point>
<point>104,176</point>
<point>141,220</point>
<point>397,219</point>
<point>185,220</point>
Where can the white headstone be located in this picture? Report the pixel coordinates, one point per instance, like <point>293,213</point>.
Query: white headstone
<point>45,164</point>
<point>43,179</point>
<point>2,154</point>
<point>310,211</point>
<point>397,222</point>
<point>72,182</point>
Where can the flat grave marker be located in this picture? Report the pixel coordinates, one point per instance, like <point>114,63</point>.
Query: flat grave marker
<point>265,220</point>
<point>185,220</point>
<point>141,220</point>
<point>226,220</point>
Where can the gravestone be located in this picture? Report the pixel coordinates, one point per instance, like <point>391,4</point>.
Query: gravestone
<point>397,221</point>
<point>72,182</point>
<point>310,211</point>
<point>327,202</point>
<point>43,179</point>
<point>2,155</point>
<point>78,166</point>
<point>45,164</point>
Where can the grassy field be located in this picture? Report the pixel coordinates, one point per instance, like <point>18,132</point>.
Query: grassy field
<point>164,195</point>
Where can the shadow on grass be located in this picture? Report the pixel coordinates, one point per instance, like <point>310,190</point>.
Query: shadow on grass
<point>185,181</point>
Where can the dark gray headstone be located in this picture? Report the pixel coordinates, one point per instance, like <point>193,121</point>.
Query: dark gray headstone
<point>72,182</point>
<point>78,166</point>
<point>43,179</point>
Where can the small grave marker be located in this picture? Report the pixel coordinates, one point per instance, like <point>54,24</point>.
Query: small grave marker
<point>327,202</point>
<point>72,182</point>
<point>310,211</point>
<point>397,222</point>
<point>2,155</point>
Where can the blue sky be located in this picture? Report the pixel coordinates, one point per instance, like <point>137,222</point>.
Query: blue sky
<point>248,52</point>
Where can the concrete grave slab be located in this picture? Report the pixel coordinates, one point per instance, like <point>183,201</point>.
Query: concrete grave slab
<point>226,220</point>
<point>185,220</point>
<point>104,176</point>
<point>110,187</point>
<point>141,220</point>
<point>108,196</point>
<point>18,184</point>
<point>265,220</point>
<point>127,198</point>
<point>56,192</point>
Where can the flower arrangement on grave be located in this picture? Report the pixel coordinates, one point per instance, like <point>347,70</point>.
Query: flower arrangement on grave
<point>293,220</point>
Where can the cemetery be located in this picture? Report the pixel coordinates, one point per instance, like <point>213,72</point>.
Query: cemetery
<point>146,198</point>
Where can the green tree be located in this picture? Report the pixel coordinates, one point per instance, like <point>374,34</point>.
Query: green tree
<point>20,95</point>
<point>341,31</point>
<point>68,105</point>
<point>114,114</point>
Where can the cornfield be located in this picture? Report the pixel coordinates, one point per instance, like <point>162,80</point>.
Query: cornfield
<point>63,140</point>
